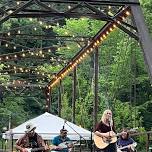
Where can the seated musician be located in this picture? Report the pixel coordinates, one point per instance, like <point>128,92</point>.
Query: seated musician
<point>31,140</point>
<point>126,143</point>
<point>62,142</point>
<point>105,130</point>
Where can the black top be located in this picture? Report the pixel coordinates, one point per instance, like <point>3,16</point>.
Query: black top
<point>34,144</point>
<point>101,127</point>
<point>33,141</point>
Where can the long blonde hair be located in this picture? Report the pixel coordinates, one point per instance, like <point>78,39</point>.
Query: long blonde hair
<point>104,115</point>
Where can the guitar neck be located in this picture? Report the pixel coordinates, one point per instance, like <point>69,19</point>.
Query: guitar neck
<point>37,149</point>
<point>130,145</point>
<point>123,147</point>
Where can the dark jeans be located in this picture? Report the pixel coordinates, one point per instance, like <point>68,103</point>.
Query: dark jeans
<point>109,148</point>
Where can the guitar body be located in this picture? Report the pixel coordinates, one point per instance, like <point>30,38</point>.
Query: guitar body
<point>67,145</point>
<point>103,142</point>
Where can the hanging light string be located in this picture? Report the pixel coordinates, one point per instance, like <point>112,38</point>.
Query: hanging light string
<point>30,52</point>
<point>86,50</point>
<point>18,29</point>
<point>13,43</point>
<point>22,69</point>
<point>70,38</point>
<point>10,85</point>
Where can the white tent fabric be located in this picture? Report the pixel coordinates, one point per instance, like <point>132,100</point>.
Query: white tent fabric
<point>48,126</point>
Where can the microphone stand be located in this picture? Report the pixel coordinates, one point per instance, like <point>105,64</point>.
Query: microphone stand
<point>91,141</point>
<point>76,133</point>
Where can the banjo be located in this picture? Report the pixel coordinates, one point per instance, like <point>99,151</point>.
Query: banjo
<point>65,145</point>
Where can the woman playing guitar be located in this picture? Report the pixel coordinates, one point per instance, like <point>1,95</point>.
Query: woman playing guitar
<point>104,137</point>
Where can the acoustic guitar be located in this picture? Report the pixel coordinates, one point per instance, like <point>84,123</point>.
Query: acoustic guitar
<point>103,142</point>
<point>131,146</point>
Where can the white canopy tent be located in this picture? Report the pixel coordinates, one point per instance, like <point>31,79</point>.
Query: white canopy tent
<point>48,126</point>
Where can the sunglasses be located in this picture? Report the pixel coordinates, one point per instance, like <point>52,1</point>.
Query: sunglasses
<point>108,113</point>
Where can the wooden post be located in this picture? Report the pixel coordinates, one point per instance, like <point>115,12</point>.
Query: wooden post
<point>147,142</point>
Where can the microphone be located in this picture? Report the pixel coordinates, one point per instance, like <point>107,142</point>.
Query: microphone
<point>64,124</point>
<point>110,121</point>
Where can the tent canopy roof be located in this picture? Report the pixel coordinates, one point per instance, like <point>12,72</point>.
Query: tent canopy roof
<point>49,125</point>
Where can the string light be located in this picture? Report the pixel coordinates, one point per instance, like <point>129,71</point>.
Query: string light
<point>72,64</point>
<point>10,11</point>
<point>18,3</point>
<point>41,22</point>
<point>15,56</point>
<point>19,32</point>
<point>127,13</point>
<point>40,51</point>
<point>69,7</point>
<point>123,18</point>
<point>66,33</point>
<point>23,55</point>
<point>110,29</point>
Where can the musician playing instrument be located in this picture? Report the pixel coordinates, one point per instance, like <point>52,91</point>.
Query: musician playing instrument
<point>62,142</point>
<point>105,130</point>
<point>31,140</point>
<point>126,141</point>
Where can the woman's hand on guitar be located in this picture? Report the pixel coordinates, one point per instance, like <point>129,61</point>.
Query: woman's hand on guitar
<point>110,134</point>
<point>24,150</point>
